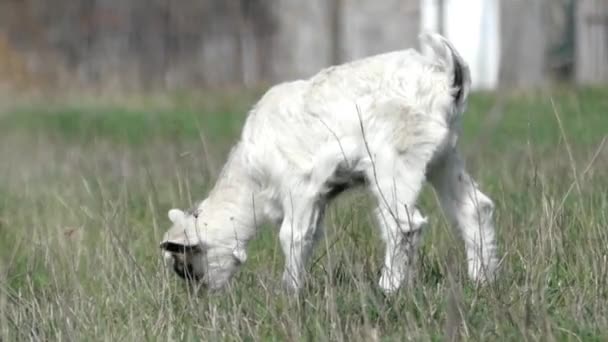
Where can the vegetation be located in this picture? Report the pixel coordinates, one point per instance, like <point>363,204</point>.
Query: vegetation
<point>84,192</point>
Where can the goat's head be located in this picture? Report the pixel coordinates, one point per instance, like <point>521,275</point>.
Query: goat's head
<point>189,249</point>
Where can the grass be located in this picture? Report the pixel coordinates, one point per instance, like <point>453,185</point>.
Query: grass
<point>84,191</point>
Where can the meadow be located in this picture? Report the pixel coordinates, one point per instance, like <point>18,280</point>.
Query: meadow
<point>85,187</point>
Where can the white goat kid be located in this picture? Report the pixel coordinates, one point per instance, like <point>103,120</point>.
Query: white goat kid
<point>388,122</point>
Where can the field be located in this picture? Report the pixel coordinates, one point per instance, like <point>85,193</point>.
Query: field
<point>85,188</point>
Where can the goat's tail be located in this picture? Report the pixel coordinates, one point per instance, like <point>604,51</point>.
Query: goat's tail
<point>442,52</point>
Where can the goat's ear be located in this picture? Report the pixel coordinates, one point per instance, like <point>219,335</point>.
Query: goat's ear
<point>240,254</point>
<point>176,215</point>
<point>179,241</point>
<point>179,247</point>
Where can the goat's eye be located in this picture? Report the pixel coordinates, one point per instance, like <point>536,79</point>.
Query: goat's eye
<point>196,213</point>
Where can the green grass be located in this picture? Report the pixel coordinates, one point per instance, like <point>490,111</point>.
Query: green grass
<point>84,191</point>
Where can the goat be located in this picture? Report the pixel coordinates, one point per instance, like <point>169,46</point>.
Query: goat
<point>387,122</point>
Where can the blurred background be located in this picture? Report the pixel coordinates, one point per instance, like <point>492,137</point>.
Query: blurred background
<point>114,111</point>
<point>141,45</point>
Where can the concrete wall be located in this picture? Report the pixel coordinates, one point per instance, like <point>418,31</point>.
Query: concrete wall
<point>160,44</point>
<point>592,42</point>
<point>474,28</point>
<point>151,44</point>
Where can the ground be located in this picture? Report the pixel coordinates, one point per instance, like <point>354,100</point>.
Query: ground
<point>85,188</point>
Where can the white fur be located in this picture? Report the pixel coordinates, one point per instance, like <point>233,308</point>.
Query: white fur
<point>392,118</point>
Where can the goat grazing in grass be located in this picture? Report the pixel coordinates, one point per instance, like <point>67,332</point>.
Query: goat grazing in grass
<point>387,122</point>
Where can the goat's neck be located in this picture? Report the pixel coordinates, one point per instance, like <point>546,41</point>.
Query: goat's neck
<point>231,206</point>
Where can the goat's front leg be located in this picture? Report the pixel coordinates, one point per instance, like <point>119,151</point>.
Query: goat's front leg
<point>299,231</point>
<point>471,211</point>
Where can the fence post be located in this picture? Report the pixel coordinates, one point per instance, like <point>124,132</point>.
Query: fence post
<point>591,42</point>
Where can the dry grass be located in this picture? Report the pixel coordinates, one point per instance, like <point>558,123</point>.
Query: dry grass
<point>84,193</point>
